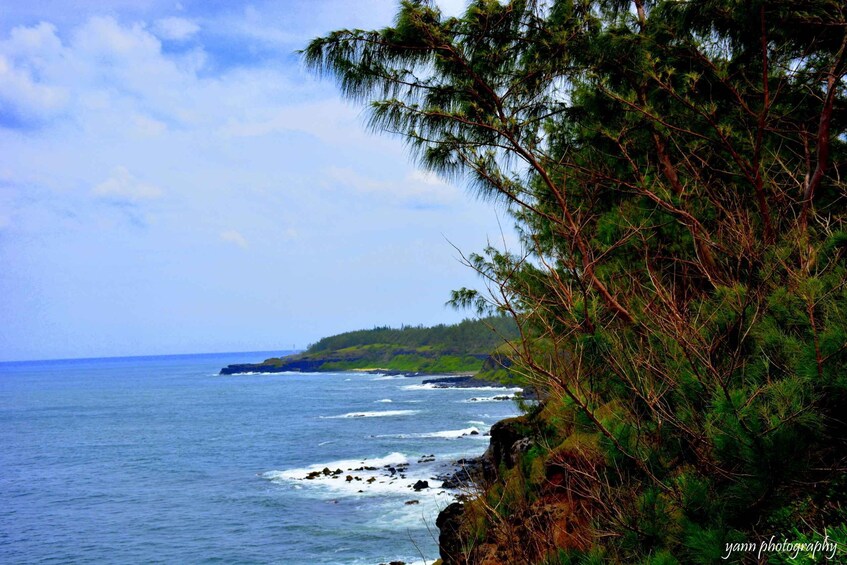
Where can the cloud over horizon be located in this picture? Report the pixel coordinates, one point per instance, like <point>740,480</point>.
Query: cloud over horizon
<point>200,126</point>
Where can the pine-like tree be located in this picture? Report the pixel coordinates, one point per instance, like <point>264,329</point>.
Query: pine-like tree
<point>676,172</point>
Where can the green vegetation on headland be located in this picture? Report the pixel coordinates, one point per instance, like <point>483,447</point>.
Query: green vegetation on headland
<point>465,348</point>
<point>677,172</point>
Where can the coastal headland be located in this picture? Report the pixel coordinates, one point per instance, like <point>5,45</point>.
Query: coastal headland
<point>465,349</point>
<point>465,355</point>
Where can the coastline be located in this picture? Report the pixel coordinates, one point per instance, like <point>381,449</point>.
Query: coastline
<point>443,486</point>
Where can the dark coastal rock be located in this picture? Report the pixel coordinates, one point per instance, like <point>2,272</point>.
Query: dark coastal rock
<point>468,473</point>
<point>504,435</point>
<point>510,439</point>
<point>496,361</point>
<point>461,382</point>
<point>420,485</point>
<point>449,523</point>
<point>301,365</point>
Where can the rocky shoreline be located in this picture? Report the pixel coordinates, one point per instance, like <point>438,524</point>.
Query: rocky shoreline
<point>508,442</point>
<point>460,381</point>
<point>458,479</point>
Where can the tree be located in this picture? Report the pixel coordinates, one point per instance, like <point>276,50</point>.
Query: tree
<point>675,170</point>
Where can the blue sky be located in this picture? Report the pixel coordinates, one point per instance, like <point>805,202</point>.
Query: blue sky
<point>172,180</point>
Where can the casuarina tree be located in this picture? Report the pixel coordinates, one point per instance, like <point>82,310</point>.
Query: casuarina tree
<point>675,171</point>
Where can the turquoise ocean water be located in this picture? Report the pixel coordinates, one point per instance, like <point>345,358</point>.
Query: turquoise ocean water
<point>160,460</point>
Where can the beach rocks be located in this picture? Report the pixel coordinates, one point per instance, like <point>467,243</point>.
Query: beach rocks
<point>420,485</point>
<point>468,473</point>
<point>461,382</point>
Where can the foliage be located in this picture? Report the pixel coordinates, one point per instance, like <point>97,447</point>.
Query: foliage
<point>409,361</point>
<point>466,347</point>
<point>467,337</point>
<point>675,172</point>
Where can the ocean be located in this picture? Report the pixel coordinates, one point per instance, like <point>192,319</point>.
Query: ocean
<point>161,460</point>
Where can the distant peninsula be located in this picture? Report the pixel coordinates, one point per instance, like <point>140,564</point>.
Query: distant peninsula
<point>466,348</point>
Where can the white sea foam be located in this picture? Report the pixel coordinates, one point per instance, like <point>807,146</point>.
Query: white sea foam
<point>446,434</point>
<point>394,458</point>
<point>370,476</point>
<point>434,386</point>
<point>495,388</point>
<point>498,398</point>
<point>451,434</point>
<point>389,377</point>
<point>427,386</point>
<point>376,414</point>
<point>476,422</point>
<point>384,400</point>
<point>380,414</point>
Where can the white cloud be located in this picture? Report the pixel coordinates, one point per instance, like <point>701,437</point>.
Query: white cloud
<point>105,37</point>
<point>417,187</point>
<point>426,177</point>
<point>123,186</point>
<point>148,126</point>
<point>256,26</point>
<point>330,121</point>
<point>175,29</point>
<point>38,40</point>
<point>28,99</point>
<point>103,65</point>
<point>28,53</point>
<point>233,236</point>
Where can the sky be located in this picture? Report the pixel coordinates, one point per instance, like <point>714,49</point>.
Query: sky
<point>172,180</point>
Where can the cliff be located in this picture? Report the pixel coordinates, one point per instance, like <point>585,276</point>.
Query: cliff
<point>528,508</point>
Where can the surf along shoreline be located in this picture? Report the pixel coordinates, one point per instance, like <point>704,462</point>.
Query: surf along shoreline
<point>451,484</point>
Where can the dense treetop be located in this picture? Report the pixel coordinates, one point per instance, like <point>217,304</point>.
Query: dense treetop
<point>468,336</point>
